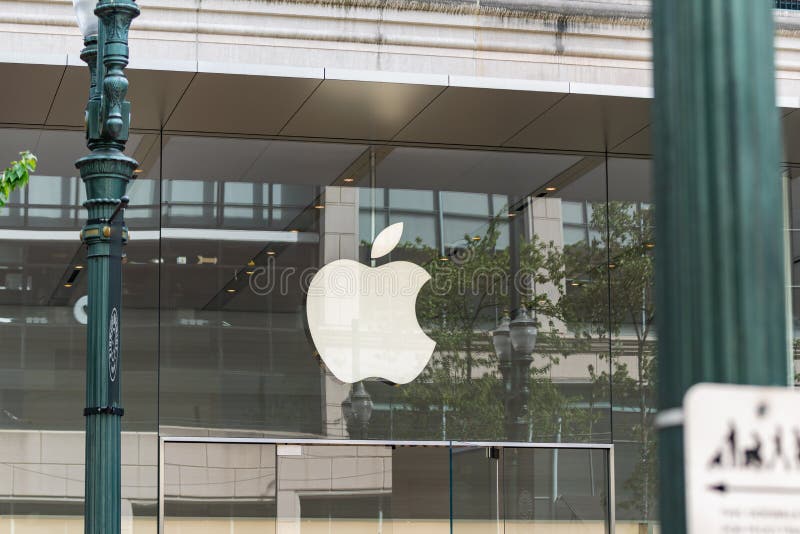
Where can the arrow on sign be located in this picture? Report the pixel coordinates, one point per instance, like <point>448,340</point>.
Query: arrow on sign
<point>725,488</point>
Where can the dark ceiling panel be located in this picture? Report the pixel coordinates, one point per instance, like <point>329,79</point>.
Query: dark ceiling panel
<point>27,92</point>
<point>585,123</point>
<point>240,104</point>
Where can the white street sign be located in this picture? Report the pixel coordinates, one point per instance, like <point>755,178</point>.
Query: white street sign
<point>742,447</point>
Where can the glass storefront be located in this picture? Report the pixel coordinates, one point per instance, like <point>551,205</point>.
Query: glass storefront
<point>251,486</point>
<point>226,236</point>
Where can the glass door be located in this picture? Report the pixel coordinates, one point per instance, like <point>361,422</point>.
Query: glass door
<point>519,490</point>
<point>219,487</point>
<point>325,488</point>
<point>304,488</point>
<point>478,505</point>
<point>554,490</point>
<point>357,489</point>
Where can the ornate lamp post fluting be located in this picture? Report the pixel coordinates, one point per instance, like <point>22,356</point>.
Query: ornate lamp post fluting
<point>105,173</point>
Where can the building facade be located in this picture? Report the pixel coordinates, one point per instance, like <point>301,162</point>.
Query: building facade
<point>512,140</point>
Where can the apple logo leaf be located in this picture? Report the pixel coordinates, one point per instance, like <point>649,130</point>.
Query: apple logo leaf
<point>387,240</point>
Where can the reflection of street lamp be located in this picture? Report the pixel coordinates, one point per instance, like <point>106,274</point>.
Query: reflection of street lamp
<point>514,342</point>
<point>523,334</point>
<point>105,173</point>
<point>357,411</point>
<point>501,341</point>
<point>349,417</point>
<point>362,408</point>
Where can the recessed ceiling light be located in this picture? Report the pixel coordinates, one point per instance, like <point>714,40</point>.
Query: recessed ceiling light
<point>650,245</point>
<point>67,285</point>
<point>248,273</point>
<point>575,284</point>
<point>612,265</point>
<point>294,231</point>
<point>349,180</point>
<point>319,207</point>
<point>78,267</point>
<point>231,290</point>
<point>138,171</point>
<point>476,238</point>
<point>551,188</point>
<point>271,253</point>
<point>512,214</point>
<point>444,259</point>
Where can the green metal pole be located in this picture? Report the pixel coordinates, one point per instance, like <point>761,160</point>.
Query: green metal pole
<point>720,271</point>
<point>106,173</point>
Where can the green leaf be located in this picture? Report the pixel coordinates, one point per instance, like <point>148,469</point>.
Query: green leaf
<point>17,175</point>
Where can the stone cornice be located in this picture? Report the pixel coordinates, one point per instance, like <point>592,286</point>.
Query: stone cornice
<point>585,41</point>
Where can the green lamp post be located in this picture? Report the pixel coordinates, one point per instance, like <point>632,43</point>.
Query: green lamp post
<point>720,263</point>
<point>105,173</point>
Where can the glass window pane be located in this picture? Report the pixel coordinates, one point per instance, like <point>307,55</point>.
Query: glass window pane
<point>214,487</point>
<point>410,199</point>
<point>143,193</point>
<point>572,212</point>
<point>573,234</point>
<point>631,248</point>
<point>292,195</point>
<point>363,489</point>
<point>366,222</point>
<point>544,487</point>
<point>239,193</point>
<point>49,190</point>
<point>461,229</point>
<point>369,197</point>
<point>234,321</point>
<point>499,204</point>
<point>529,490</point>
<point>188,198</point>
<point>465,203</point>
<point>186,191</point>
<point>418,229</point>
<point>43,292</point>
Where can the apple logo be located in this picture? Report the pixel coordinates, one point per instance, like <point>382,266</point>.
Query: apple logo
<point>363,320</point>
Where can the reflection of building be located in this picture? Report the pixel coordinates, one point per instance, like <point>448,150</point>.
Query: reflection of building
<point>433,114</point>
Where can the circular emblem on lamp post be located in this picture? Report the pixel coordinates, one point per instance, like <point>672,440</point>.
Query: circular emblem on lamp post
<point>113,345</point>
<point>79,310</point>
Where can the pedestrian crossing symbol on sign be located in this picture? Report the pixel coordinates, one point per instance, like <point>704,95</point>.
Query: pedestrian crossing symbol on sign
<point>742,453</point>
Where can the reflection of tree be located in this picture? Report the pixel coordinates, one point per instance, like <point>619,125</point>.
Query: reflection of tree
<point>460,394</point>
<point>458,309</point>
<point>626,243</point>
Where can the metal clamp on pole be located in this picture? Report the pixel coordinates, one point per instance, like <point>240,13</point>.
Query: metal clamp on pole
<point>108,410</point>
<point>123,203</point>
<point>668,418</point>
